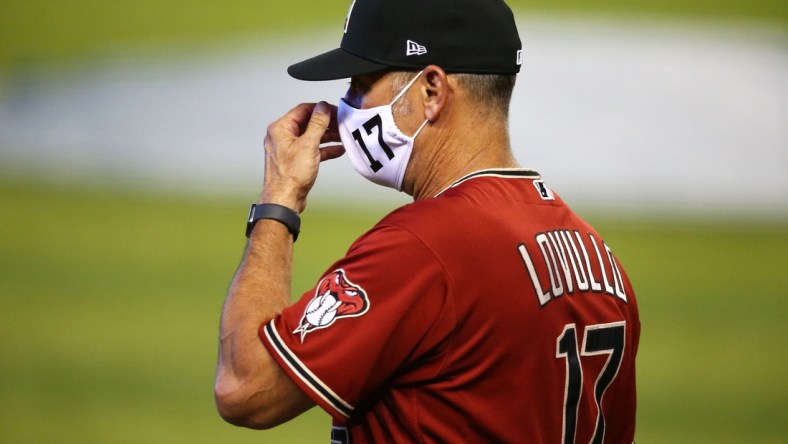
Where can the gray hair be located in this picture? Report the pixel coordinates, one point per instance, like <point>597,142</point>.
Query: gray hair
<point>491,92</point>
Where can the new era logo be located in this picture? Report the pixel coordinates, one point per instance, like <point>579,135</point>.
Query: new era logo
<point>414,48</point>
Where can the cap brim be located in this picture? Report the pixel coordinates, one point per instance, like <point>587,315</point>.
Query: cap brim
<point>332,65</point>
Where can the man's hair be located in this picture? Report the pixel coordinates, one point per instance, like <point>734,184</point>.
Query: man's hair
<point>491,92</point>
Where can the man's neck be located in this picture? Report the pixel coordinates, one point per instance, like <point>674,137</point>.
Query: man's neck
<point>455,155</point>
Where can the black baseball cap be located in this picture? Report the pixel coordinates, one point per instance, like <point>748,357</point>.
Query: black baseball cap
<point>460,36</point>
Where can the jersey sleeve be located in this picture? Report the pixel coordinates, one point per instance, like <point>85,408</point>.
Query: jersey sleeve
<point>377,311</point>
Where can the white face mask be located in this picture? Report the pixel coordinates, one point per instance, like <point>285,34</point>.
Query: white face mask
<point>377,149</point>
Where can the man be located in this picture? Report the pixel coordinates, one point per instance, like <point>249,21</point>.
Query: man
<point>485,311</point>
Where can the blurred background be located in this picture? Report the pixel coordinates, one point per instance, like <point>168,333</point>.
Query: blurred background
<point>130,149</point>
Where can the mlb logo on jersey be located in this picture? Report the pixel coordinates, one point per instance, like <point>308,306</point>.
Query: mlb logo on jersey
<point>544,192</point>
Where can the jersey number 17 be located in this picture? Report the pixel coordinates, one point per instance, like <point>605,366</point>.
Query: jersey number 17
<point>598,339</point>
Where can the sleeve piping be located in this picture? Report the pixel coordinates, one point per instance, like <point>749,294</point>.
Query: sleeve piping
<point>301,375</point>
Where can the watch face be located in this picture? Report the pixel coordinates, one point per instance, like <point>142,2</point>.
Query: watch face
<point>251,214</point>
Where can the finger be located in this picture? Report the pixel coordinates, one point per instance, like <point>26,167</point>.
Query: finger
<point>294,122</point>
<point>303,123</point>
<point>331,136</point>
<point>331,152</point>
<point>332,132</point>
<point>334,124</point>
<point>318,123</point>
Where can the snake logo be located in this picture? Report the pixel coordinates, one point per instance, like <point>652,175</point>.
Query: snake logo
<point>335,298</point>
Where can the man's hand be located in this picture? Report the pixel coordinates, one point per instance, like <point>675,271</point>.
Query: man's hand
<point>293,153</point>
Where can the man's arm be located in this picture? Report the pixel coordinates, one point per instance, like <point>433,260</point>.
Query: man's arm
<point>251,390</point>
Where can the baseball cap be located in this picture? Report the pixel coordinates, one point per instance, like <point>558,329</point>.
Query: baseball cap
<point>460,36</point>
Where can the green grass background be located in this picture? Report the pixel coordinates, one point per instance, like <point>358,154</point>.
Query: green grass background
<point>109,299</point>
<point>110,305</point>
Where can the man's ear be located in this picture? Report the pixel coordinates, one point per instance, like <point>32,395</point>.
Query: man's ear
<point>436,88</point>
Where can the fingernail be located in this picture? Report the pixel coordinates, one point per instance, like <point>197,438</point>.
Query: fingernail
<point>322,108</point>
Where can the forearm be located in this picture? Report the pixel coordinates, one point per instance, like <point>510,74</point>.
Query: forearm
<point>259,290</point>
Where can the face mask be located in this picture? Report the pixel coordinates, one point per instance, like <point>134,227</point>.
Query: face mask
<point>377,149</point>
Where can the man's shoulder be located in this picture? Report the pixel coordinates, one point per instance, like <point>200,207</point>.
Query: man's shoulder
<point>479,207</point>
<point>486,193</point>
<point>422,215</point>
<point>419,224</point>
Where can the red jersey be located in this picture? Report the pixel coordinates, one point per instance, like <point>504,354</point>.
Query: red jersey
<point>490,313</point>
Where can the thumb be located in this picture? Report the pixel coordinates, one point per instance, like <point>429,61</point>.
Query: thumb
<point>318,123</point>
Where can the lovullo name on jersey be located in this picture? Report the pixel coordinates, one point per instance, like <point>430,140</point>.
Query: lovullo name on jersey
<point>565,255</point>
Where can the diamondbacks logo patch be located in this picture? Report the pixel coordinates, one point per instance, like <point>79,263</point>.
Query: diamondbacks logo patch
<point>335,298</point>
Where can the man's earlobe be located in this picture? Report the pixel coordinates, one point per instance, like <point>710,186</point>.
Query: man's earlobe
<point>437,91</point>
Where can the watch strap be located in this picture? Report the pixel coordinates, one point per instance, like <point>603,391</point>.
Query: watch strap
<point>277,212</point>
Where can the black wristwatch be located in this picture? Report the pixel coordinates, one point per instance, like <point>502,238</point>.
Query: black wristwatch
<point>276,212</point>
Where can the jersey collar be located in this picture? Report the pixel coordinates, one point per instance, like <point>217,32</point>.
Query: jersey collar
<point>504,173</point>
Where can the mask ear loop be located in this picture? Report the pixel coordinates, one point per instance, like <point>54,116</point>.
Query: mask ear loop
<point>406,88</point>
<point>401,93</point>
<point>426,121</point>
